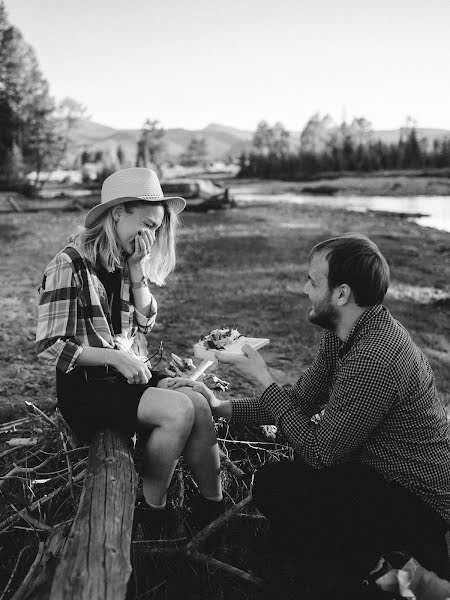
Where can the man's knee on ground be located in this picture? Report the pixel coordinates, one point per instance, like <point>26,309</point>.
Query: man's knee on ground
<point>265,486</point>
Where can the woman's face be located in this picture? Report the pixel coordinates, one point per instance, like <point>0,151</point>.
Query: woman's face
<point>128,224</point>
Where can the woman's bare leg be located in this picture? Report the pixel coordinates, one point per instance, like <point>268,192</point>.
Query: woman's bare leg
<point>201,451</point>
<point>170,415</point>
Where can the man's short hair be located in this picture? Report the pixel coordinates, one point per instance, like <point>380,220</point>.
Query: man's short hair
<point>355,260</point>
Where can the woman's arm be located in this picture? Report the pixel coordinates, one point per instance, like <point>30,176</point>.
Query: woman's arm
<point>143,300</point>
<point>131,367</point>
<point>56,341</point>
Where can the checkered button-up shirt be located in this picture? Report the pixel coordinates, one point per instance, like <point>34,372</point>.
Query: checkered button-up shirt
<point>74,312</point>
<point>377,396</point>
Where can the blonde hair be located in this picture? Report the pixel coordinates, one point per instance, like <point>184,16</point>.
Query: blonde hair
<point>99,243</point>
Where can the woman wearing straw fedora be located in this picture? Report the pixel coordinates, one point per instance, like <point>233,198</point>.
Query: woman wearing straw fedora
<point>95,305</point>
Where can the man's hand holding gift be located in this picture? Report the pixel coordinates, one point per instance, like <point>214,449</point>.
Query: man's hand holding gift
<point>250,364</point>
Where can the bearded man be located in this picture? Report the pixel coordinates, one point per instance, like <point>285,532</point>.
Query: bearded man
<point>372,473</point>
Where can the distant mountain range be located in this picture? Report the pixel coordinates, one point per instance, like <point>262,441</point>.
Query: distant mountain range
<point>221,141</point>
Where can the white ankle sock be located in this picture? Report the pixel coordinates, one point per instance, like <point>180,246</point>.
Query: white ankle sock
<point>213,498</point>
<point>156,506</point>
<point>147,491</point>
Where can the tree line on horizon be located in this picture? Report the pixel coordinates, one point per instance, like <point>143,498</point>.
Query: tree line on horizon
<point>36,135</point>
<point>326,147</point>
<point>150,153</point>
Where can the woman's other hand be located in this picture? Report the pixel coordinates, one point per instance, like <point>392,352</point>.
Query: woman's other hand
<point>131,367</point>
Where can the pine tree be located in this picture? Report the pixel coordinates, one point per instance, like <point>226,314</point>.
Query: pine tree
<point>263,138</point>
<point>196,152</point>
<point>120,156</point>
<point>26,107</point>
<point>150,146</point>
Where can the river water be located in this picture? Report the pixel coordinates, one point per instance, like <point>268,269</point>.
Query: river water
<point>437,208</point>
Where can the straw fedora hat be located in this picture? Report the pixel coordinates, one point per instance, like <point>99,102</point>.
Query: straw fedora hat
<point>126,185</point>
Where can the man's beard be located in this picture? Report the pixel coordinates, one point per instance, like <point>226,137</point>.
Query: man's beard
<point>324,315</point>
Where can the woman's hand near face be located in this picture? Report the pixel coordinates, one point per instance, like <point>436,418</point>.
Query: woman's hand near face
<point>143,242</point>
<point>132,368</point>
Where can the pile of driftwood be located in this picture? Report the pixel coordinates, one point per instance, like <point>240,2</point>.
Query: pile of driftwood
<point>67,513</point>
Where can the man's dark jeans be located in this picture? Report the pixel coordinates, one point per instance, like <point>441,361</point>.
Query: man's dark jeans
<point>341,519</point>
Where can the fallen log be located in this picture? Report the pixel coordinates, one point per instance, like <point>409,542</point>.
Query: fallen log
<point>96,558</point>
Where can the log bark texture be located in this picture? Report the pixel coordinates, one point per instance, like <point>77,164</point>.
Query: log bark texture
<point>95,564</point>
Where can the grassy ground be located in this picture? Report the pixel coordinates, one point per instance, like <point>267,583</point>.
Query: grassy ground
<point>244,267</point>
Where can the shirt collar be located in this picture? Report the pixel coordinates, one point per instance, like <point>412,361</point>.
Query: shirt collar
<point>359,326</point>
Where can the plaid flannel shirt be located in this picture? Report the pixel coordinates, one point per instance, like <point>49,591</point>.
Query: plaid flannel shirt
<point>377,398</point>
<point>74,312</point>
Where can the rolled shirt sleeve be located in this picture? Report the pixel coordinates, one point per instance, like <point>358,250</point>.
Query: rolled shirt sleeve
<point>57,315</point>
<point>250,411</point>
<point>144,324</point>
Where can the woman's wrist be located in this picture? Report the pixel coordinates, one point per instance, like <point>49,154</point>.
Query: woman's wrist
<point>110,356</point>
<point>136,273</point>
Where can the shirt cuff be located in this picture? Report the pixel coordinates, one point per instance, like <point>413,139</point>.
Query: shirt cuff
<point>68,356</point>
<point>144,324</point>
<point>274,400</point>
<point>249,410</point>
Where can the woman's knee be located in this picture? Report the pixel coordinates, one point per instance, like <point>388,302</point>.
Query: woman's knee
<point>200,403</point>
<point>166,408</point>
<point>202,409</point>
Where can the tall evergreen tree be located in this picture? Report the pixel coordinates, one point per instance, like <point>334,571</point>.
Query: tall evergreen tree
<point>150,146</point>
<point>263,138</point>
<point>196,152</point>
<point>120,156</point>
<point>280,140</point>
<point>26,107</point>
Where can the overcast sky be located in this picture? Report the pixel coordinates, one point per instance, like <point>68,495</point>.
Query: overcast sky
<point>189,63</point>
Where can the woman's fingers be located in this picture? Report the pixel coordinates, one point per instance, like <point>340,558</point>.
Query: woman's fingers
<point>141,375</point>
<point>143,242</point>
<point>148,238</point>
<point>146,246</point>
